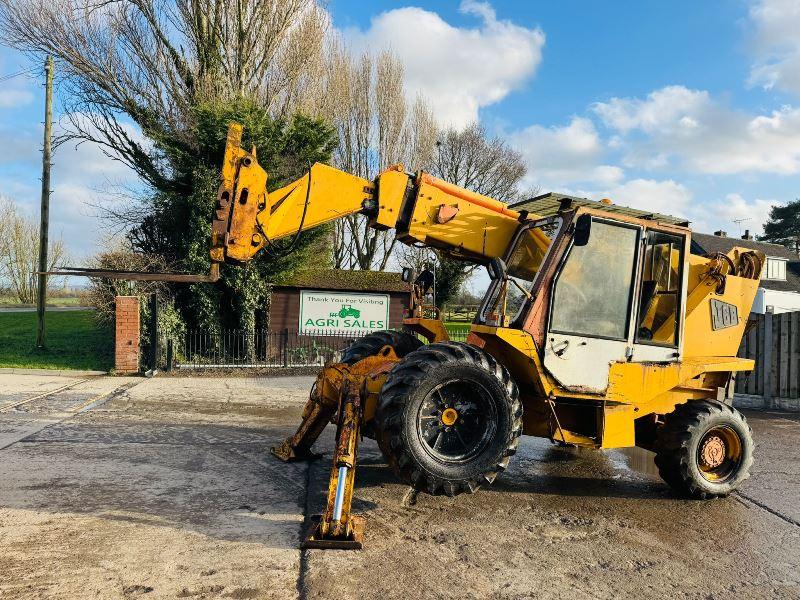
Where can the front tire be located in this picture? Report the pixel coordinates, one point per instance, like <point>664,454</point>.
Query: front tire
<point>449,418</point>
<point>704,449</point>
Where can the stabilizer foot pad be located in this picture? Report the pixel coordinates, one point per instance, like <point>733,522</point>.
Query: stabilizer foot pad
<point>288,454</point>
<point>356,542</point>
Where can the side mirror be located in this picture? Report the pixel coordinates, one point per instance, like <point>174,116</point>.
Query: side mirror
<point>408,275</point>
<point>583,227</point>
<point>497,269</point>
<point>425,281</point>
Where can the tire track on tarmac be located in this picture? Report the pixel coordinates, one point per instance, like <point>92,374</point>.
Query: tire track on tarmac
<point>87,405</point>
<point>11,405</point>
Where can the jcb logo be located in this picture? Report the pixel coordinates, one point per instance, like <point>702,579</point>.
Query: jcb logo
<point>723,315</point>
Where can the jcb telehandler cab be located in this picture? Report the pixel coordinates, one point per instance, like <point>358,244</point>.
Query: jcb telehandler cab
<point>598,330</point>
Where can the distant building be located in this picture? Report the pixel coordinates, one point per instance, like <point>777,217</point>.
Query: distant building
<point>338,301</point>
<point>780,281</point>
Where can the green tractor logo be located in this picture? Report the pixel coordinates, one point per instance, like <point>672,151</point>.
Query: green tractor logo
<point>347,311</point>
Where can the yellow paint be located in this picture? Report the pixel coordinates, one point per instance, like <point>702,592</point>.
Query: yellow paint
<point>392,185</point>
<point>475,232</point>
<point>700,338</point>
<point>617,429</point>
<point>432,330</point>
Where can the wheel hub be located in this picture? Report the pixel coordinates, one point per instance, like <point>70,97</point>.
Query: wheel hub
<point>456,421</point>
<point>449,416</point>
<point>713,452</point>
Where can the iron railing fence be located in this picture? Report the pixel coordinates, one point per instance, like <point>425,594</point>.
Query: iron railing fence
<point>233,348</point>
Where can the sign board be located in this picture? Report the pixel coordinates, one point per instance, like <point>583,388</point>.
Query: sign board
<point>343,312</point>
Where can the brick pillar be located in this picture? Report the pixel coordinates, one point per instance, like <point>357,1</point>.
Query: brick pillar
<point>127,335</point>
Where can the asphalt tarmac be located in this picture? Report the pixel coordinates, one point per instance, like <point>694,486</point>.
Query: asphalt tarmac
<point>163,488</point>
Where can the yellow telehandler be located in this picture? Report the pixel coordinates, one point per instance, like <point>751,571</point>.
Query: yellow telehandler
<point>598,330</point>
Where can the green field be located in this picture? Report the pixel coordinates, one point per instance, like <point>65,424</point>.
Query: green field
<point>74,341</point>
<point>68,301</point>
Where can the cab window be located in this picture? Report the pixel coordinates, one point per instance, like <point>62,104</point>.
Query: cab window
<point>592,296</point>
<point>660,293</point>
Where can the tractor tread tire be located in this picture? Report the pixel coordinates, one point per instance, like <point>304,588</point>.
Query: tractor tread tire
<point>369,345</point>
<point>405,379</point>
<point>676,448</point>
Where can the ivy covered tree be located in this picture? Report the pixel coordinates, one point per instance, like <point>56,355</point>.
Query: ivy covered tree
<point>783,226</point>
<point>177,223</point>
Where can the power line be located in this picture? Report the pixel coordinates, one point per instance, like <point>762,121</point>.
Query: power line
<point>18,73</point>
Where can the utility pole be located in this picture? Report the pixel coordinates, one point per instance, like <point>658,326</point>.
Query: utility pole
<point>44,223</point>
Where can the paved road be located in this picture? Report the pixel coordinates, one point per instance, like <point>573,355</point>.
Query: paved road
<point>162,488</point>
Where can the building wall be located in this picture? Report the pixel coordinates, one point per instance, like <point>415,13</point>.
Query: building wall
<point>285,307</point>
<point>780,301</point>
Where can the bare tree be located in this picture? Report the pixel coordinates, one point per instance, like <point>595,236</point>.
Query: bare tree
<point>364,98</point>
<point>7,210</point>
<point>19,252</point>
<point>483,164</point>
<point>152,61</point>
<point>102,293</point>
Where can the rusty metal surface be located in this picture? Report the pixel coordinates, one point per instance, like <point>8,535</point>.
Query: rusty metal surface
<point>314,541</point>
<point>321,406</point>
<point>713,451</point>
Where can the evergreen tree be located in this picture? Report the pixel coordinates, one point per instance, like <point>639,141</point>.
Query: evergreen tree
<point>178,221</point>
<point>783,226</point>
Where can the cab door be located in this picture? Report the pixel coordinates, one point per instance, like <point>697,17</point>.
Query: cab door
<point>591,307</point>
<point>661,298</point>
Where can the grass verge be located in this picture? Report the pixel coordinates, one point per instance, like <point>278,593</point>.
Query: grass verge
<point>74,341</point>
<point>457,326</point>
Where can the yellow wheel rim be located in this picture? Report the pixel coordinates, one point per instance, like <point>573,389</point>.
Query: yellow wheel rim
<point>719,453</point>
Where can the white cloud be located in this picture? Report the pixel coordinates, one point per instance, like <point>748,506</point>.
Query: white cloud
<point>667,197</point>
<point>690,128</point>
<point>459,70</point>
<point>776,44</point>
<point>561,156</point>
<point>15,98</point>
<point>670,107</point>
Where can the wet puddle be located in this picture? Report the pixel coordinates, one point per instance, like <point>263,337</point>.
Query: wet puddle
<point>634,459</point>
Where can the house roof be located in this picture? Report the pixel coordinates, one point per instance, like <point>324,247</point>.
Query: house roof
<point>717,243</point>
<point>346,280</point>
<point>550,203</point>
<point>705,243</point>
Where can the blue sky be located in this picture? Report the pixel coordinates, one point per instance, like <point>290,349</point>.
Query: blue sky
<point>689,108</point>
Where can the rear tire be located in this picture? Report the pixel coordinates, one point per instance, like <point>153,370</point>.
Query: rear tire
<point>449,418</point>
<point>402,343</point>
<point>704,449</point>
<point>369,345</point>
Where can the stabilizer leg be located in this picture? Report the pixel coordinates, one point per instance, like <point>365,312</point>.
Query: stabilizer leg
<point>336,527</point>
<point>321,406</point>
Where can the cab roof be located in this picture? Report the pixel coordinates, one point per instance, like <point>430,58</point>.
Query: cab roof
<point>551,203</point>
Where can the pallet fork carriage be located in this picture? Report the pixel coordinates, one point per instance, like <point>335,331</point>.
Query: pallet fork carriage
<point>598,330</point>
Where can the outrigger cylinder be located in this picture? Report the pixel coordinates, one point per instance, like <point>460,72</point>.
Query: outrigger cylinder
<point>339,499</point>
